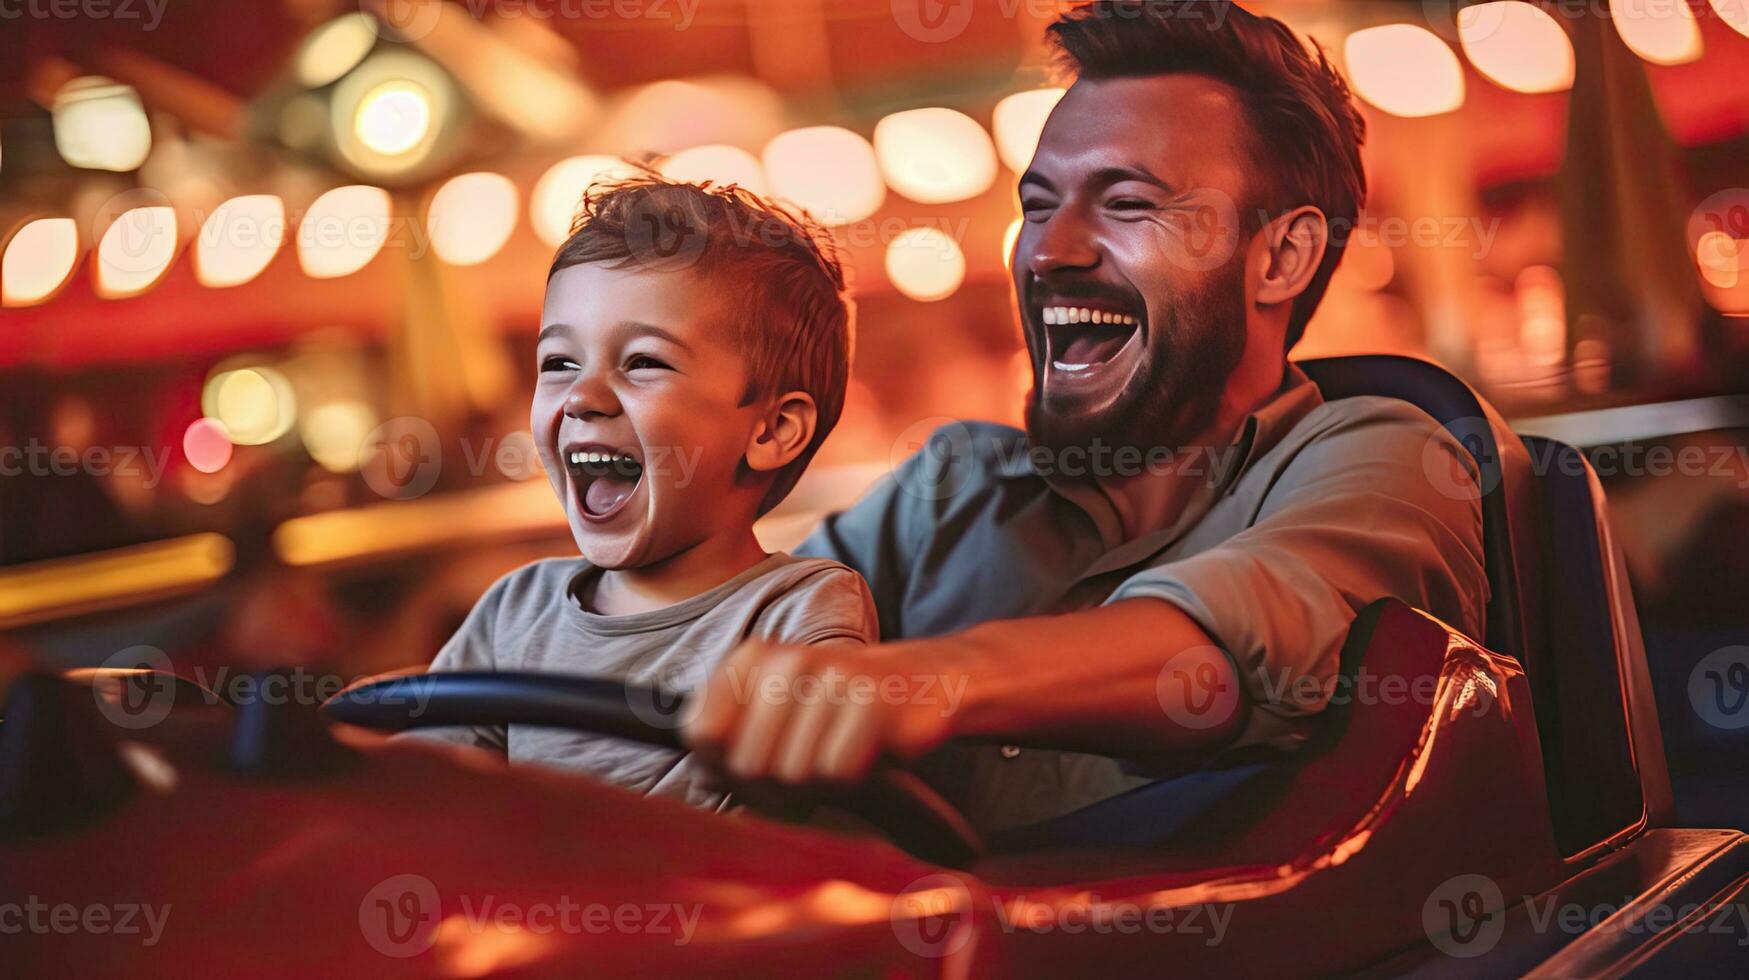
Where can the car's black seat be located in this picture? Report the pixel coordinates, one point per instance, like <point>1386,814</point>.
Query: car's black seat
<point>1560,601</point>
<point>1510,511</point>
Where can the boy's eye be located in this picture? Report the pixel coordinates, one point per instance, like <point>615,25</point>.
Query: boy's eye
<point>639,362</point>
<point>555,362</point>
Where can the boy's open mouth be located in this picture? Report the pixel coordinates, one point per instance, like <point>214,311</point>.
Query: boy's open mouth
<point>605,478</point>
<point>1082,338</point>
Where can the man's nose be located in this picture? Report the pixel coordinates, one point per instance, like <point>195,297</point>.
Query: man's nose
<point>1064,242</point>
<point>591,396</point>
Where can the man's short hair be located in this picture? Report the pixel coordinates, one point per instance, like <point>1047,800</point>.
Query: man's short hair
<point>780,268</point>
<point>1307,132</point>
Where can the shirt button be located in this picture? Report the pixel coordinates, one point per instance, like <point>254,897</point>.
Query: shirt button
<point>1010,751</point>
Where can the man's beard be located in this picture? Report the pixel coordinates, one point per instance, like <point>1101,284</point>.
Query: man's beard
<point>1193,347</point>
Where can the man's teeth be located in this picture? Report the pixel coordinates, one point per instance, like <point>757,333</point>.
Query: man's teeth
<point>1064,315</point>
<point>1066,366</point>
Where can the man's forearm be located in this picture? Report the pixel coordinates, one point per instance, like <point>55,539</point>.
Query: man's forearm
<point>1137,677</point>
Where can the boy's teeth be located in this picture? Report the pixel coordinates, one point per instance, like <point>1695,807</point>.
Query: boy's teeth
<point>1064,315</point>
<point>579,458</point>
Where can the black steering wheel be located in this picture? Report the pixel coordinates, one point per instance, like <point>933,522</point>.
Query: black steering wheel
<point>900,805</point>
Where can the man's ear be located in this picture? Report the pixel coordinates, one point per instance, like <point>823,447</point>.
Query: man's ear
<point>786,430</point>
<point>1294,244</point>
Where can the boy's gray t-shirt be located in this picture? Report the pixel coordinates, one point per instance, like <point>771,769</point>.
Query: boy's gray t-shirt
<point>531,620</point>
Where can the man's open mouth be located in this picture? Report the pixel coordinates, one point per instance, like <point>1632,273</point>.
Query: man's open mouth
<point>605,478</point>
<point>1079,339</point>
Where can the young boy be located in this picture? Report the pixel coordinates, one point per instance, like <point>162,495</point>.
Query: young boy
<point>693,354</point>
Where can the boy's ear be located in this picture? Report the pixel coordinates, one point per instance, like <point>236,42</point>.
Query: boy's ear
<point>786,430</point>
<point>1294,248</point>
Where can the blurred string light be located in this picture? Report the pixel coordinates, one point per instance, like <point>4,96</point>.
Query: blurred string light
<point>1735,13</point>
<point>389,114</point>
<point>828,171</point>
<point>1661,31</point>
<point>206,445</point>
<point>135,251</point>
<point>100,125</point>
<point>471,217</point>
<point>38,260</point>
<point>718,163</point>
<point>1017,123</point>
<point>935,155</point>
<point>334,49</point>
<point>1517,45</point>
<point>560,190</point>
<point>1720,258</point>
<point>1404,70</point>
<point>1009,238</point>
<point>238,240</point>
<point>343,230</point>
<point>255,404</point>
<point>335,433</point>
<point>925,264</point>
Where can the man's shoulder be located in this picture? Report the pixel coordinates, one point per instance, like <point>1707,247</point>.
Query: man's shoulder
<point>1364,426</point>
<point>1386,443</point>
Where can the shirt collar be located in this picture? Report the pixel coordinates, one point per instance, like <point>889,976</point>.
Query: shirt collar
<point>1262,429</point>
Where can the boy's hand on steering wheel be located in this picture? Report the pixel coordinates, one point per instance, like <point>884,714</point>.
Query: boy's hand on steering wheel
<point>819,713</point>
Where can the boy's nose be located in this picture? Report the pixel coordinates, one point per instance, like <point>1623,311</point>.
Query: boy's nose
<point>591,397</point>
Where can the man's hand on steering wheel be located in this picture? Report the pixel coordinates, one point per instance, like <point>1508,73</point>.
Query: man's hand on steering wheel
<point>820,713</point>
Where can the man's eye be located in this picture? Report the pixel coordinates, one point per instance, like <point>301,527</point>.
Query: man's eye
<point>640,362</point>
<point>1131,204</point>
<point>1035,208</point>
<point>556,363</point>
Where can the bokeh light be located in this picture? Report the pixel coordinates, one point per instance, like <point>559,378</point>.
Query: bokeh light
<point>343,230</point>
<point>1018,121</point>
<point>334,49</point>
<point>1517,45</point>
<point>335,433</point>
<point>471,217</point>
<point>256,404</point>
<point>828,171</point>
<point>388,115</point>
<point>101,125</point>
<point>718,163</point>
<point>38,259</point>
<point>935,156</point>
<point>239,240</point>
<point>206,445</point>
<point>1720,258</point>
<point>1009,238</point>
<point>560,191</point>
<point>393,118</point>
<point>1404,70</point>
<point>135,250</point>
<point>1660,31</point>
<point>925,264</point>
<point>1734,13</point>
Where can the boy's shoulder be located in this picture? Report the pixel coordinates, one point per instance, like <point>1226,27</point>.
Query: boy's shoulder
<point>811,600</point>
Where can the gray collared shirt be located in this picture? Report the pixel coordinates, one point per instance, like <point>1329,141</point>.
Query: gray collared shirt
<point>1316,510</point>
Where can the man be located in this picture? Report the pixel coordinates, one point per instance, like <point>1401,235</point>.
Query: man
<point>1164,565</point>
